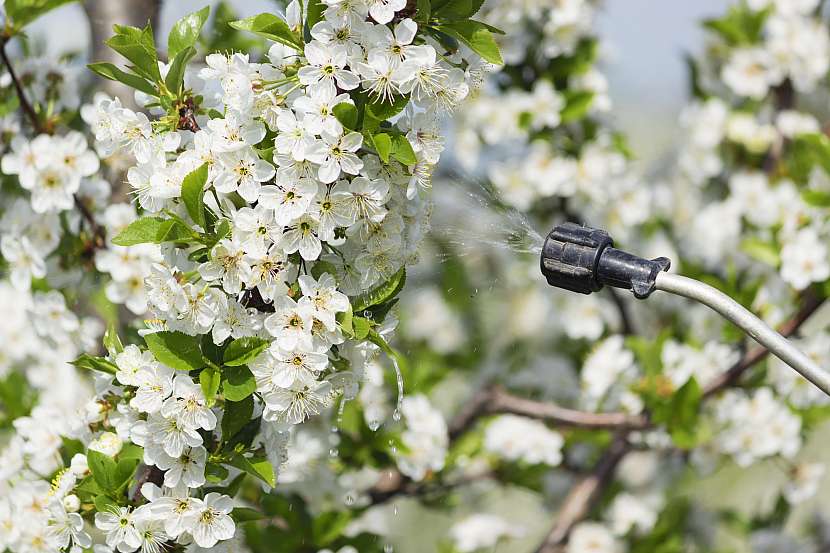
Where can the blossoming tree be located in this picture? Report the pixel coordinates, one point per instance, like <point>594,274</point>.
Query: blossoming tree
<point>239,242</point>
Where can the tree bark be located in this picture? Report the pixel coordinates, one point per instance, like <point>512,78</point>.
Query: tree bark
<point>102,15</point>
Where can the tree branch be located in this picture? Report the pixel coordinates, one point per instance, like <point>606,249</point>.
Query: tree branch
<point>501,401</point>
<point>810,305</point>
<point>582,496</point>
<point>18,88</point>
<point>96,230</point>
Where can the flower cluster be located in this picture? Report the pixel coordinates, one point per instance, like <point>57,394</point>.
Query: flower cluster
<point>278,202</point>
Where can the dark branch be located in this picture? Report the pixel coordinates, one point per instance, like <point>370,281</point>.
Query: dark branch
<point>18,88</point>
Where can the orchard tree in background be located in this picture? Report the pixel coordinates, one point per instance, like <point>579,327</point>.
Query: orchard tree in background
<point>279,169</point>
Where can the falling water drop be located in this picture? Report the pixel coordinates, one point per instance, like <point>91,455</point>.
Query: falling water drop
<point>388,548</point>
<point>333,452</point>
<point>374,425</point>
<point>349,500</point>
<point>393,447</point>
<point>396,414</point>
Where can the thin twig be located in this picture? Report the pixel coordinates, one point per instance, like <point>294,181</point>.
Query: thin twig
<point>97,231</point>
<point>503,402</point>
<point>18,87</point>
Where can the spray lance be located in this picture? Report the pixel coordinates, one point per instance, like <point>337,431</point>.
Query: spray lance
<point>583,259</point>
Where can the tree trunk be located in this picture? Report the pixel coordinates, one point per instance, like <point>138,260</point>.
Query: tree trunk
<point>103,14</point>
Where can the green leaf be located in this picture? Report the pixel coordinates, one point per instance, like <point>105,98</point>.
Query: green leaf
<point>382,293</point>
<point>362,326</point>
<point>577,104</point>
<point>125,471</point>
<point>402,150</point>
<point>176,350</point>
<point>244,350</point>
<point>345,319</point>
<point>185,32</point>
<point>457,9</point>
<point>246,514</point>
<point>314,12</point>
<point>322,267</point>
<point>346,113</point>
<point>88,362</point>
<point>104,470</point>
<point>210,378</point>
<point>113,73</point>
<point>741,26</point>
<point>154,230</point>
<point>477,36</point>
<point>131,451</point>
<point>104,503</point>
<point>237,415</point>
<point>139,47</point>
<point>683,419</point>
<point>381,111</point>
<point>255,466</point>
<point>193,191</point>
<point>816,198</point>
<point>23,12</point>
<point>215,472</point>
<point>270,26</point>
<point>423,11</point>
<point>112,342</point>
<point>238,383</point>
<point>383,145</point>
<point>175,74</point>
<point>761,250</point>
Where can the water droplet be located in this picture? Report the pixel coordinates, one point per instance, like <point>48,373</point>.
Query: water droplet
<point>333,452</point>
<point>374,425</point>
<point>396,414</point>
<point>395,510</point>
<point>349,500</point>
<point>388,548</point>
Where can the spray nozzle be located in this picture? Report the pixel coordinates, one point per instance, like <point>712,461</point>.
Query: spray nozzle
<point>583,259</point>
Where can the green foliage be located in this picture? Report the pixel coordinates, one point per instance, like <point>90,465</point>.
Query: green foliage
<point>346,113</point>
<point>761,250</point>
<point>111,476</point>
<point>272,27</point>
<point>185,32</point>
<point>807,152</point>
<point>193,191</point>
<point>176,350</point>
<point>741,25</point>
<point>577,105</point>
<point>258,467</point>
<point>382,293</point>
<point>139,48</point>
<point>154,230</point>
<point>16,398</point>
<point>112,342</point>
<point>242,351</point>
<point>175,75</point>
<point>238,383</point>
<point>237,415</point>
<point>113,73</point>
<point>667,534</point>
<point>91,363</point>
<point>209,379</point>
<point>23,12</point>
<point>476,36</point>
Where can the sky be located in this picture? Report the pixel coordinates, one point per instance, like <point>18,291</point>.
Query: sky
<point>645,41</point>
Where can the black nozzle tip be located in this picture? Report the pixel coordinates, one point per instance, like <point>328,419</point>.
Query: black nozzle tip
<point>583,259</point>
